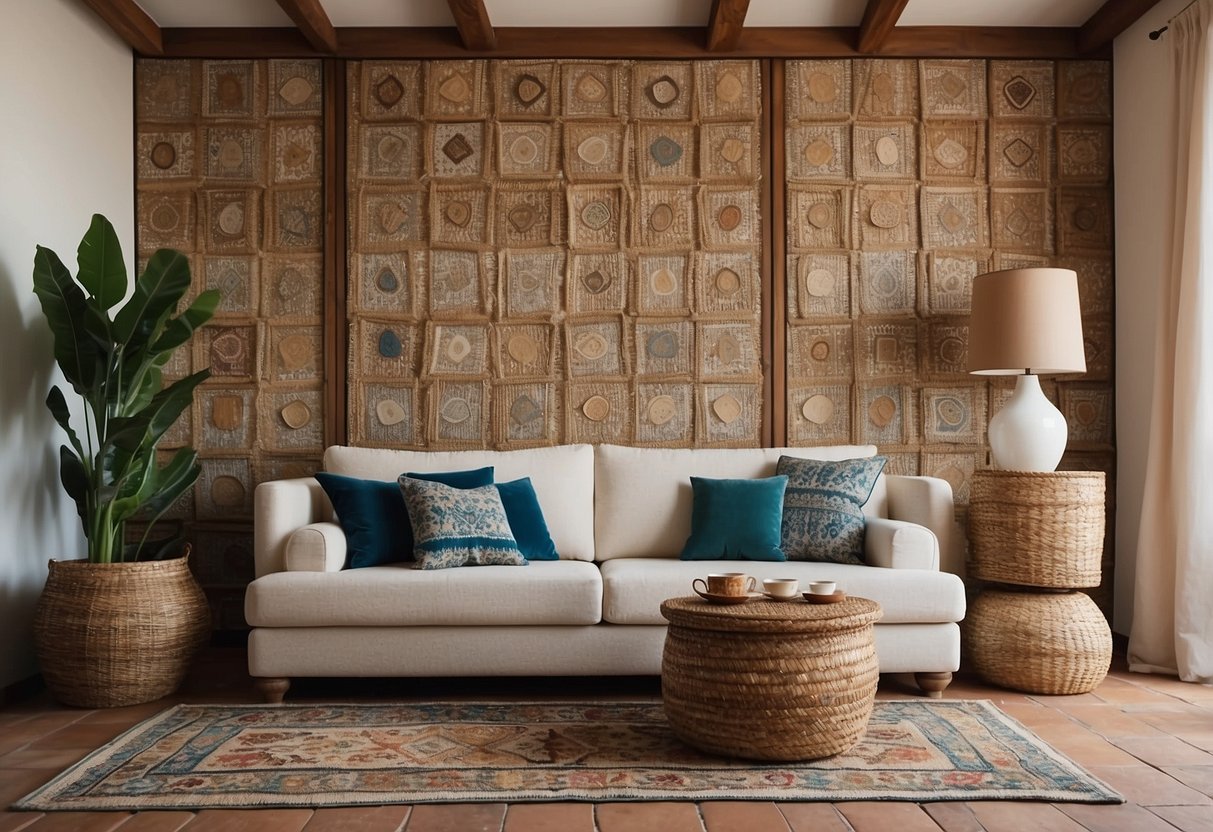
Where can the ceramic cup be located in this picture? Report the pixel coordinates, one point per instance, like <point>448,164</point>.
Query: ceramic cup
<point>726,583</point>
<point>823,587</point>
<point>780,587</point>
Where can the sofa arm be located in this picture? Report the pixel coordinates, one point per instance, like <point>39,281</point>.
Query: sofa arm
<point>279,508</point>
<point>928,502</point>
<point>896,544</point>
<point>319,547</point>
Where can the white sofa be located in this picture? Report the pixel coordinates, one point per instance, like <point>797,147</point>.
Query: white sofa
<point>619,517</point>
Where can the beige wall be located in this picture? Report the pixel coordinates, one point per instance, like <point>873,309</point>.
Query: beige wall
<point>65,153</point>
<point>1142,98</point>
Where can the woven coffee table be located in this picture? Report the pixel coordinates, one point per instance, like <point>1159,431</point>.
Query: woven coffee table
<point>769,680</point>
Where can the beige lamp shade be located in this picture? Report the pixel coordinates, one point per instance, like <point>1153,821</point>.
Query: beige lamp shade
<point>1026,320</point>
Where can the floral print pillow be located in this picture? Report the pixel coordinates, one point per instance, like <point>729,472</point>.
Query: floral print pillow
<point>458,526</point>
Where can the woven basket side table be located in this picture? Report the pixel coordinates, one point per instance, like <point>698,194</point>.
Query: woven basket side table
<point>769,680</point>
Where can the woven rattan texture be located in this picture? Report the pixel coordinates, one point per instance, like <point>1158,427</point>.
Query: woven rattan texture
<point>769,680</point>
<point>905,180</point>
<point>229,166</point>
<point>554,251</point>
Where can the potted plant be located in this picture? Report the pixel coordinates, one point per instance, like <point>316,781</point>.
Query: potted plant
<point>120,627</point>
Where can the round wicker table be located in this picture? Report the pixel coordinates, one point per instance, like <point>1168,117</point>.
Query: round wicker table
<point>769,680</point>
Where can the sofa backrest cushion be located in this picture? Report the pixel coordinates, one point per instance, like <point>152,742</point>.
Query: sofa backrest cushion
<point>563,478</point>
<point>643,495</point>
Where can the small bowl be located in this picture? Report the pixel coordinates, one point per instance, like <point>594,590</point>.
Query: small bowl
<point>780,587</point>
<point>823,587</point>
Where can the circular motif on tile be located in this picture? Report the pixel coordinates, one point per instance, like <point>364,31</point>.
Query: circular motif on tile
<point>951,218</point>
<point>1086,413</point>
<point>227,492</point>
<point>950,153</point>
<point>292,283</point>
<point>727,282</point>
<point>528,89</point>
<point>227,412</point>
<point>596,408</point>
<point>728,217</point>
<point>522,348</point>
<point>529,281</point>
<point>661,410</point>
<point>296,91</point>
<point>820,350</point>
<point>389,412</point>
<point>386,281</point>
<point>882,411</point>
<point>590,89</point>
<point>458,213</point>
<point>887,152</point>
<point>231,154</point>
<point>163,155</point>
<point>1019,92</point>
<point>952,475</point>
<point>950,410</point>
<point>951,349</point>
<point>732,150</point>
<point>885,214</point>
<point>818,409</point>
<point>1085,218</point>
<point>822,87</point>
<point>294,155</point>
<point>525,410</point>
<point>392,217</point>
<point>591,345</point>
<point>665,151</point>
<point>389,91</point>
<point>455,410</point>
<point>1086,89</point>
<point>728,349</point>
<point>662,345</point>
<point>458,348</point>
<point>390,345</point>
<point>165,217</point>
<point>663,91</point>
<point>455,89</point>
<point>727,408</point>
<point>295,351</point>
<point>228,348</point>
<point>390,148</point>
<point>883,88</point>
<point>523,150</point>
<point>821,215</point>
<point>523,217</point>
<point>296,415</point>
<point>593,150</point>
<point>729,88</point>
<point>231,219</point>
<point>1018,223</point>
<point>230,90</point>
<point>663,282</point>
<point>818,152</point>
<point>596,214</point>
<point>1082,152</point>
<point>661,217</point>
<point>596,282</point>
<point>819,283</point>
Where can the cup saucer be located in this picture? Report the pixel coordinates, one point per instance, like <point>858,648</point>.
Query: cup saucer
<point>833,598</point>
<point>773,597</point>
<point>727,600</point>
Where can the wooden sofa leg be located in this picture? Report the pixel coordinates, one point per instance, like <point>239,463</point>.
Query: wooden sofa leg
<point>272,689</point>
<point>933,684</point>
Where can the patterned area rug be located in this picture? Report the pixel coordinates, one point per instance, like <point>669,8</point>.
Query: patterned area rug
<point>206,756</point>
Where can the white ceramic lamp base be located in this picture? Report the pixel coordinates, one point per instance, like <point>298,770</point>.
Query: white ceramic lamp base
<point>1029,433</point>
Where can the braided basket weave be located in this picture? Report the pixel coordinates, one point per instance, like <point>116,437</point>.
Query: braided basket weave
<point>769,680</point>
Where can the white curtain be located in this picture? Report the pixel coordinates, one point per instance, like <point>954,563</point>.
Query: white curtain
<point>1173,596</point>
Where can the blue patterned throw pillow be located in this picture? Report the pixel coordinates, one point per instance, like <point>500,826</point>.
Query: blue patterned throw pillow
<point>823,507</point>
<point>458,526</point>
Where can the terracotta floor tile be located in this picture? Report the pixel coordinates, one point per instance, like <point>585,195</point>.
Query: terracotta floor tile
<point>1187,818</point>
<point>79,822</point>
<point>1014,816</point>
<point>18,782</point>
<point>742,816</point>
<point>1084,746</point>
<point>78,735</point>
<point>457,817</point>
<point>16,821</point>
<point>1074,699</point>
<point>1124,818</point>
<point>359,819</point>
<point>128,716</point>
<point>59,758</point>
<point>1198,777</point>
<point>1033,715</point>
<point>550,817</point>
<point>953,817</point>
<point>1110,721</point>
<point>157,821</point>
<point>250,820</point>
<point>648,817</point>
<point>883,817</point>
<point>1164,751</point>
<point>1116,691</point>
<point>1148,786</point>
<point>813,817</point>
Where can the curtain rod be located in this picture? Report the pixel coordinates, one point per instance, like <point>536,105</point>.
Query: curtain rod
<point>1157,33</point>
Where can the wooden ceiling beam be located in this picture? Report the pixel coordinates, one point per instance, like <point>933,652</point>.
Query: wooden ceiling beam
<point>879,19</point>
<point>1109,20</point>
<point>313,21</point>
<point>131,23</point>
<point>725,24</point>
<point>475,28</point>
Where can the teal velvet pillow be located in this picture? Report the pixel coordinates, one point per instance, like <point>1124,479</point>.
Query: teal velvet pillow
<point>373,516</point>
<point>735,519</point>
<point>458,526</point>
<point>526,520</point>
<point>823,508</point>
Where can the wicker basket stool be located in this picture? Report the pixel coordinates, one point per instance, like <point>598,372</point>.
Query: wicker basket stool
<point>769,680</point>
<point>1039,642</point>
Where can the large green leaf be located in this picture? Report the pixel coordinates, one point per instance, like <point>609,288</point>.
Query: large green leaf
<point>129,433</point>
<point>99,257</point>
<point>157,291</point>
<point>179,329</point>
<point>63,417</point>
<point>75,480</point>
<point>172,481</point>
<point>67,311</point>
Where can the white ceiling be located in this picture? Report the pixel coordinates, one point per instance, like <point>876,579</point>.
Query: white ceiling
<point>170,13</point>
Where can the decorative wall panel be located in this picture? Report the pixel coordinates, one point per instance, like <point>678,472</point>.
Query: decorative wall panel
<point>546,252</point>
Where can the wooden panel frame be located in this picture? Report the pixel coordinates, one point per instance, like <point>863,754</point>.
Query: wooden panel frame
<point>725,24</point>
<point>131,23</point>
<point>313,22</point>
<point>879,19</point>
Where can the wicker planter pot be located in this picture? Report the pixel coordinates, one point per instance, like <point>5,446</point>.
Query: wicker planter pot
<point>109,635</point>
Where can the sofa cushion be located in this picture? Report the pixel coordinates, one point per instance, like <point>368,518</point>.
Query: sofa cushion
<point>633,588</point>
<point>735,519</point>
<point>565,593</point>
<point>527,523</point>
<point>823,507</point>
<point>563,478</point>
<point>643,495</point>
<point>458,526</point>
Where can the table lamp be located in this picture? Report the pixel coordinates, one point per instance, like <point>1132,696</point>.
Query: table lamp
<point>1026,323</point>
